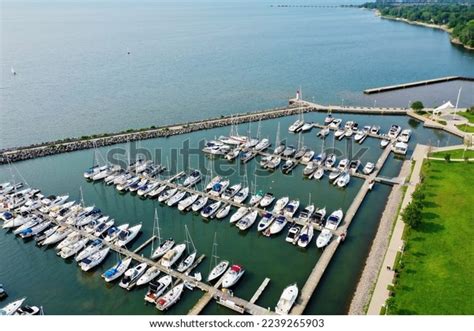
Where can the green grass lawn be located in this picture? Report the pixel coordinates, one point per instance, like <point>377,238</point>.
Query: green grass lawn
<point>466,128</point>
<point>438,263</point>
<point>455,154</point>
<point>468,115</point>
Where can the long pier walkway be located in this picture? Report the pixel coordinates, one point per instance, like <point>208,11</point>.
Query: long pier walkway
<point>326,257</point>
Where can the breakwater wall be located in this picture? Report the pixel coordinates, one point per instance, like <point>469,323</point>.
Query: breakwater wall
<point>415,84</point>
<point>75,144</point>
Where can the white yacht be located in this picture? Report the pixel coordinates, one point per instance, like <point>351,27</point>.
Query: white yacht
<point>293,233</point>
<point>184,204</point>
<point>306,235</point>
<point>405,136</point>
<point>211,209</point>
<point>343,164</point>
<point>114,231</point>
<point>280,204</point>
<point>335,124</point>
<point>287,299</point>
<point>68,251</point>
<point>323,238</point>
<point>291,208</point>
<point>400,148</point>
<point>241,212</point>
<point>368,168</point>
<point>117,270</point>
<point>265,221</point>
<point>267,200</point>
<point>218,270</point>
<point>232,276</point>
<point>277,226</point>
<point>132,275</point>
<point>262,145</point>
<point>157,287</point>
<point>124,237</point>
<point>247,221</point>
<point>343,179</point>
<point>296,125</point>
<point>334,220</point>
<point>170,297</point>
<point>12,307</point>
<point>94,260</point>
<point>176,198</point>
<point>148,276</point>
<point>193,178</point>
<point>199,203</point>
<point>223,212</point>
<point>161,250</point>
<point>241,195</point>
<point>394,131</point>
<point>172,255</point>
<point>95,246</point>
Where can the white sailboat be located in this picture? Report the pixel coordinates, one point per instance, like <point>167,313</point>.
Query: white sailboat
<point>187,262</point>
<point>164,246</point>
<point>216,269</point>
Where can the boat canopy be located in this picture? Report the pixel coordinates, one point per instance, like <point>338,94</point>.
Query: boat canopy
<point>236,268</point>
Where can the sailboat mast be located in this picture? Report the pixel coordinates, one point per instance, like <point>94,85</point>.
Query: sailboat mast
<point>277,140</point>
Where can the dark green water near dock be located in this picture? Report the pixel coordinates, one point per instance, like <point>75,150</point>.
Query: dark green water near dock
<point>62,288</point>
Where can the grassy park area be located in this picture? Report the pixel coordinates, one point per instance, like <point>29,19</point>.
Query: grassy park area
<point>435,271</point>
<point>455,154</point>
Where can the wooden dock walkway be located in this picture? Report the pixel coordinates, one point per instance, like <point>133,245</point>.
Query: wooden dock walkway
<point>260,290</point>
<point>249,307</point>
<point>146,243</point>
<point>329,251</point>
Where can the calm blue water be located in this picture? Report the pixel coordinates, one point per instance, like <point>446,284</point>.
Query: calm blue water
<point>192,60</point>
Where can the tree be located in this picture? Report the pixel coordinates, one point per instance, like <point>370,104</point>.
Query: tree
<point>447,157</point>
<point>417,105</point>
<point>419,194</point>
<point>411,215</point>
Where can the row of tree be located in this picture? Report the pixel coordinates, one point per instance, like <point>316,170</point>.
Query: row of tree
<point>458,17</point>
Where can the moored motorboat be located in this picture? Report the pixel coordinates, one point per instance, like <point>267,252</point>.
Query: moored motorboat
<point>267,200</point>
<point>247,221</point>
<point>287,299</point>
<point>265,221</point>
<point>280,204</point>
<point>334,219</point>
<point>172,256</point>
<point>199,203</point>
<point>170,297</point>
<point>184,204</point>
<point>132,275</point>
<point>368,168</point>
<point>211,209</point>
<point>157,287</point>
<point>223,212</point>
<point>94,260</point>
<point>241,212</point>
<point>306,235</point>
<point>114,231</point>
<point>124,237</point>
<point>323,238</point>
<point>161,250</point>
<point>232,276</point>
<point>12,307</point>
<point>293,233</point>
<point>218,270</point>
<point>277,225</point>
<point>117,270</point>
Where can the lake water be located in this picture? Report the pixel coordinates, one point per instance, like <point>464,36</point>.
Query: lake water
<point>193,60</point>
<point>62,288</point>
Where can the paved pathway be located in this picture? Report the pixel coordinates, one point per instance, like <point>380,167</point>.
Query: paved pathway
<point>385,278</point>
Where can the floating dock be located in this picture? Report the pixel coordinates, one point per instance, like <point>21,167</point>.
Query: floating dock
<point>260,290</point>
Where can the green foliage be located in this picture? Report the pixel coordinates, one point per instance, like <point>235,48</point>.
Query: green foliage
<point>447,157</point>
<point>458,17</point>
<point>412,214</point>
<point>417,105</point>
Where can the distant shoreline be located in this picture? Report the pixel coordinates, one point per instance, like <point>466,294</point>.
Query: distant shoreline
<point>445,28</point>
